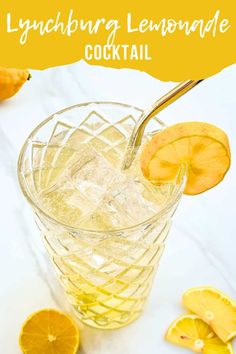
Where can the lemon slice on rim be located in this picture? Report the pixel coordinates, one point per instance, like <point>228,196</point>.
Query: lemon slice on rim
<point>204,147</point>
<point>215,308</point>
<point>191,332</point>
<point>49,332</point>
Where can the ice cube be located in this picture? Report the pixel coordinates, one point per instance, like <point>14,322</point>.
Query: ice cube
<point>124,204</point>
<point>92,175</point>
<point>93,194</point>
<point>66,204</point>
<point>129,198</point>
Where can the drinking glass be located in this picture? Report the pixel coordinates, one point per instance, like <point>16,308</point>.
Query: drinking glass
<point>106,274</point>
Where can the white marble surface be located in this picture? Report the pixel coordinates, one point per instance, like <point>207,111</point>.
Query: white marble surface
<point>201,245</point>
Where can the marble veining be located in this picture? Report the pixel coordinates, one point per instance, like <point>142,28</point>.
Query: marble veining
<point>201,246</point>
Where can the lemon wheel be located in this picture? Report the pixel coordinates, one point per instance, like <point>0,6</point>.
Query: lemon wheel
<point>215,308</point>
<point>202,146</point>
<point>191,332</point>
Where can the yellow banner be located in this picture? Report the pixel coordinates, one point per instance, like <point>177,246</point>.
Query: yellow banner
<point>172,40</point>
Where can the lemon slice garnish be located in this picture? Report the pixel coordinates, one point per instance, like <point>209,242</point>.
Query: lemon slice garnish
<point>202,146</point>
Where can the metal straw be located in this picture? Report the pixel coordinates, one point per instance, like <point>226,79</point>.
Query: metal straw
<point>156,107</point>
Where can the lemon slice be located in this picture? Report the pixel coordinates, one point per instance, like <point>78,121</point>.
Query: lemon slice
<point>191,332</point>
<point>215,308</point>
<point>49,332</point>
<point>204,147</point>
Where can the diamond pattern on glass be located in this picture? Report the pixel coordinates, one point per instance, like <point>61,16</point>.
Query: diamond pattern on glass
<point>107,276</point>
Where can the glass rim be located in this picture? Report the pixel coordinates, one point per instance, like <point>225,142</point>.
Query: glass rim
<point>167,206</point>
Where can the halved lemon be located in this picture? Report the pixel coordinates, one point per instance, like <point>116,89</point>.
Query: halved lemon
<point>215,308</point>
<point>204,147</point>
<point>191,332</point>
<point>49,332</point>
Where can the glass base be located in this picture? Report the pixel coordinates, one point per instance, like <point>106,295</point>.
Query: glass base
<point>107,323</point>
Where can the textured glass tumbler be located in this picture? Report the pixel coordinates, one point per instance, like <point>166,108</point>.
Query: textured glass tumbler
<point>106,275</point>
